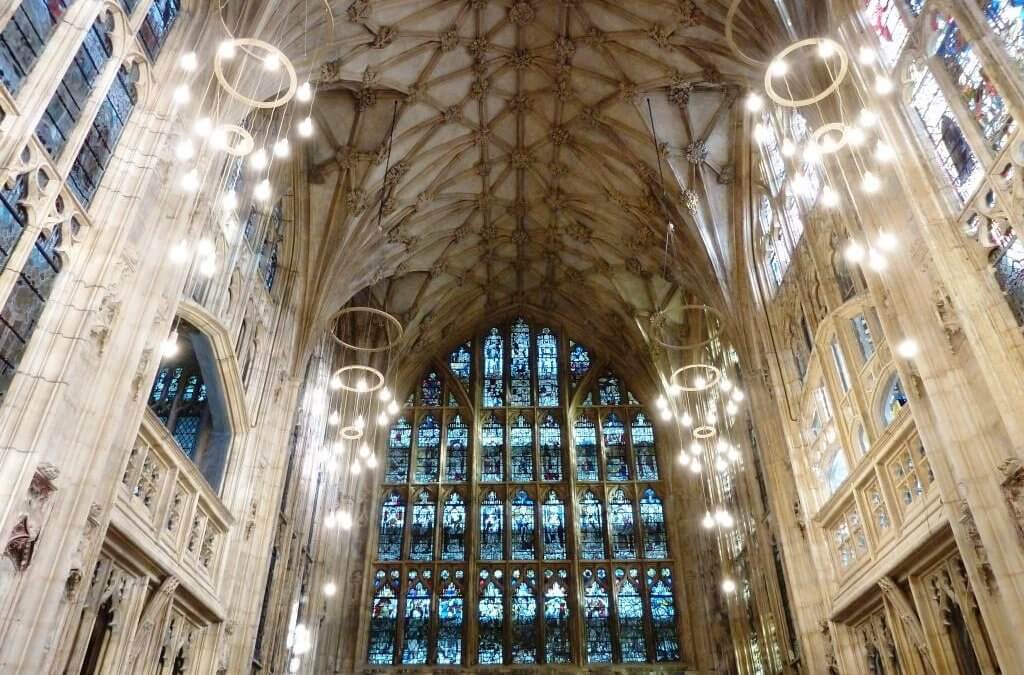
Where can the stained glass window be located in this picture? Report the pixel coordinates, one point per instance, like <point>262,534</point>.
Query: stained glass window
<point>524,616</point>
<point>421,530</point>
<point>643,447</point>
<point>491,618</point>
<point>616,460</point>
<point>521,449</point>
<point>430,390</point>
<point>524,527</point>
<point>520,385</point>
<point>884,18</point>
<point>392,524</point>
<point>579,362</point>
<point>620,516</point>
<point>453,528</point>
<point>596,613</point>
<point>493,450</point>
<point>553,520</point>
<point>551,449</point>
<point>547,368</point>
<point>461,362</point>
<point>24,38</point>
<point>609,390</point>
<point>862,330</point>
<point>384,618</point>
<point>556,617</point>
<point>494,358</point>
<point>416,636</point>
<point>458,449</point>
<point>428,450</point>
<point>157,24</point>
<point>492,527</point>
<point>663,614</point>
<point>630,606</point>
<point>399,445</point>
<point>586,448</point>
<point>1007,22</point>
<point>591,527</point>
<point>653,516</point>
<point>450,608</point>
<point>893,401</point>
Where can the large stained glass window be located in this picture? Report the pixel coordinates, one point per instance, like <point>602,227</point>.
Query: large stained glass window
<point>547,497</point>
<point>1007,22</point>
<point>24,38</point>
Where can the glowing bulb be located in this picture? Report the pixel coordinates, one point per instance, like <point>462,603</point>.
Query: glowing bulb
<point>258,160</point>
<point>720,464</point>
<point>725,384</point>
<point>854,252</point>
<point>179,253</point>
<point>826,48</point>
<point>876,261</point>
<point>666,414</point>
<point>294,664</point>
<point>683,459</point>
<point>867,118</point>
<point>724,518</point>
<point>205,247</point>
<point>384,395</point>
<point>190,181</point>
<point>272,62</point>
<point>306,127</point>
<point>188,61</point>
<point>733,454</point>
<point>812,153</point>
<point>330,588</point>
<point>722,445</point>
<point>262,190</point>
<point>362,385</point>
<point>801,184</point>
<point>883,85</point>
<point>393,407</point>
<point>202,127</point>
<point>754,102</point>
<point>229,201</point>
<point>169,347</point>
<point>334,419</point>
<point>226,49</point>
<point>708,521</point>
<point>729,586</point>
<point>712,418</point>
<point>884,152</point>
<point>907,348</point>
<point>330,521</point>
<point>855,136</point>
<point>829,197</point>
<point>360,424</point>
<point>345,520</point>
<point>335,383</point>
<point>382,419</point>
<point>304,93</point>
<point>700,382</point>
<point>695,448</point>
<point>687,419</point>
<point>675,390</point>
<point>870,183</point>
<point>184,150</point>
<point>208,267</point>
<point>182,94</point>
<point>695,466</point>
<point>760,133</point>
<point>219,139</point>
<point>356,467</point>
<point>282,148</point>
<point>661,402</point>
<point>371,462</point>
<point>731,408</point>
<point>867,56</point>
<point>788,148</point>
<point>887,241</point>
<point>364,450</point>
<point>738,396</point>
<point>778,68</point>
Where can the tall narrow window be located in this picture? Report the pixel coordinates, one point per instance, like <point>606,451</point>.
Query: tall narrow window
<point>547,369</point>
<point>157,25</point>
<point>399,445</point>
<point>493,450</point>
<point>430,390</point>
<point>556,617</point>
<point>862,331</point>
<point>491,618</point>
<point>392,525</point>
<point>416,636</point>
<point>579,362</point>
<point>13,216</point>
<point>428,450</point>
<point>609,390</point>
<point>586,448</point>
<point>840,364</point>
<point>421,530</point>
<point>384,618</point>
<point>663,614</point>
<point>494,359</point>
<point>524,528</point>
<point>524,616</point>
<point>1007,22</point>
<point>450,610</point>
<point>653,516</point>
<point>628,601</point>
<point>492,527</point>
<point>553,518</point>
<point>620,516</point>
<point>591,528</point>
<point>643,447</point>
<point>453,528</point>
<point>520,386</point>
<point>24,38</point>
<point>887,24</point>
<point>596,613</point>
<point>521,449</point>
<point>461,363</point>
<point>458,448</point>
<point>616,461</point>
<point>550,449</point>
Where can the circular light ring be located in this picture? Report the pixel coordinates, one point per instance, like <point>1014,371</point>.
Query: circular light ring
<point>711,374</point>
<point>704,431</point>
<point>351,433</point>
<point>293,80</point>
<point>389,318</point>
<point>826,129</point>
<point>245,143</point>
<point>837,79</point>
<point>355,367</point>
<point>730,17</point>
<point>715,329</point>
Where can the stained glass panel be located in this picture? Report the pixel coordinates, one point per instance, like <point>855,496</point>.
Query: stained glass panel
<point>450,608</point>
<point>579,362</point>
<point>157,24</point>
<point>652,513</point>
<point>453,529</point>
<point>524,616</point>
<point>615,452</point>
<point>620,516</point>
<point>632,638</point>
<point>596,612</point>
<point>524,527</point>
<point>643,447</point>
<point>392,523</point>
<point>1007,22</point>
<point>521,448</point>
<point>399,445</point>
<point>494,360</point>
<point>550,449</point>
<point>428,450</point>
<point>421,531</point>
<point>547,368</point>
<point>458,449</point>
<point>416,636</point>
<point>491,618</point>
<point>556,617</point>
<point>884,18</point>
<point>461,362</point>
<point>383,618</point>
<point>609,390</point>
<point>430,390</point>
<point>591,528</point>
<point>663,614</point>
<point>553,519</point>
<point>520,385</point>
<point>24,38</point>
<point>492,450</point>
<point>492,527</point>
<point>586,448</point>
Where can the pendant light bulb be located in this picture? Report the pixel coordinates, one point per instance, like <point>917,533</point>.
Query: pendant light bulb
<point>169,347</point>
<point>695,448</point>
<point>675,389</point>
<point>760,133</point>
<point>335,383</point>
<point>695,466</point>
<point>883,85</point>
<point>870,183</point>
<point>345,520</point>
<point>208,267</point>
<point>708,521</point>
<point>190,181</point>
<point>867,118</point>
<point>184,150</point>
<point>829,197</point>
<point>272,62</point>
<point>229,202</point>
<point>262,190</point>
<point>382,419</point>
<point>306,127</point>
<point>304,93</point>
<point>205,248</point>
<point>887,241</point>
<point>855,136</point>
<point>738,395</point>
<point>666,414</point>
<point>182,94</point>
<point>188,62</point>
<point>854,252</point>
<point>729,586</point>
<point>179,253</point>
<point>725,384</point>
<point>364,450</point>
<point>371,461</point>
<point>826,48</point>
<point>683,458</point>
<point>393,407</point>
<point>202,127</point>
<point>362,385</point>
<point>754,102</point>
<point>258,160</point>
<point>282,148</point>
<point>330,588</point>
<point>788,148</point>
<point>867,56</point>
<point>226,49</point>
<point>778,68</point>
<point>384,395</point>
<point>334,419</point>
<point>907,348</point>
<point>360,423</point>
<point>876,261</point>
<point>357,468</point>
<point>884,152</point>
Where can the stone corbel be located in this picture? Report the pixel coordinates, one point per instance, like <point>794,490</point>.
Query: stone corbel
<point>904,609</point>
<point>1013,492</point>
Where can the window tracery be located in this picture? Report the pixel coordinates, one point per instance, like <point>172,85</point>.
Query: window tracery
<point>24,38</point>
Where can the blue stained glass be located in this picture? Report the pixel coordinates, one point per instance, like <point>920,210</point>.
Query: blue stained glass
<point>450,608</point>
<point>586,448</point>
<point>615,453</point>
<point>1007,22</point>
<point>550,449</point>
<point>430,390</point>
<point>66,106</point>
<point>461,362</point>
<point>186,433</point>
<point>663,615</point>
<point>453,532</point>
<point>421,531</point>
<point>392,523</point>
<point>157,24</point>
<point>492,528</point>
<point>428,450</point>
<point>159,384</point>
<point>579,362</point>
<point>895,399</point>
<point>520,387</point>
<point>553,522</point>
<point>524,616</point>
<point>491,619</point>
<point>521,449</point>
<point>547,368</point>
<point>609,390</point>
<point>416,637</point>
<point>13,216</point>
<point>643,447</point>
<point>523,527</point>
<point>492,450</point>
<point>557,648</point>
<point>494,358</point>
<point>620,516</point>
<point>458,444</point>
<point>383,618</point>
<point>652,513</point>
<point>399,445</point>
<point>630,606</point>
<point>24,38</point>
<point>591,528</point>
<point>596,614</point>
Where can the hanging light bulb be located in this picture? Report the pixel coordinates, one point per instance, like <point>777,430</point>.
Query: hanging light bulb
<point>272,62</point>
<point>700,382</point>
<point>335,383</point>
<point>876,261</point>
<point>360,423</point>
<point>181,94</point>
<point>854,252</point>
<point>695,466</point>
<point>382,419</point>
<point>306,127</point>
<point>334,419</point>
<point>867,118</point>
<point>695,448</point>
<point>812,153</point>
<point>188,61</point>
<point>683,458</point>
<point>205,247</point>
<point>184,150</point>
<point>870,183</point>
<point>788,148</point>
<point>330,588</point>
<point>226,49</point>
<point>720,464</point>
<point>826,48</point>
<point>725,384</point>
<point>801,184</point>
<point>330,521</point>
<point>729,586</point>
<point>855,136</point>
<point>687,419</point>
<point>738,395</point>
<point>883,85</point>
<point>202,127</point>
<point>867,56</point>
<point>345,520</point>
<point>356,467</point>
<point>262,190</point>
<point>190,181</point>
<point>733,455</point>
<point>393,407</point>
<point>829,197</point>
<point>708,521</point>
<point>179,253</point>
<point>884,152</point>
<point>208,267</point>
<point>675,389</point>
<point>887,241</point>
<point>371,461</point>
<point>169,347</point>
<point>258,159</point>
<point>282,148</point>
<point>666,414</point>
<point>754,102</point>
<point>760,133</point>
<point>364,450</point>
<point>229,202</point>
<point>778,68</point>
<point>304,93</point>
<point>712,418</point>
<point>219,139</point>
<point>724,518</point>
<point>294,664</point>
<point>661,402</point>
<point>731,408</point>
<point>362,385</point>
<point>384,395</point>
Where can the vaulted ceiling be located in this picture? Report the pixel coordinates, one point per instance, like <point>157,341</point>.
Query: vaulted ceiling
<point>523,169</point>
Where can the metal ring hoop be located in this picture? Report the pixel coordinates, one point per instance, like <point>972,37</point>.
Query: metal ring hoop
<point>825,129</point>
<point>694,345</point>
<point>844,68</point>
<point>227,31</point>
<point>704,431</point>
<point>730,18</point>
<point>245,142</point>
<point>351,433</point>
<point>715,376</point>
<point>390,318</point>
<point>293,80</point>
<point>355,367</point>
